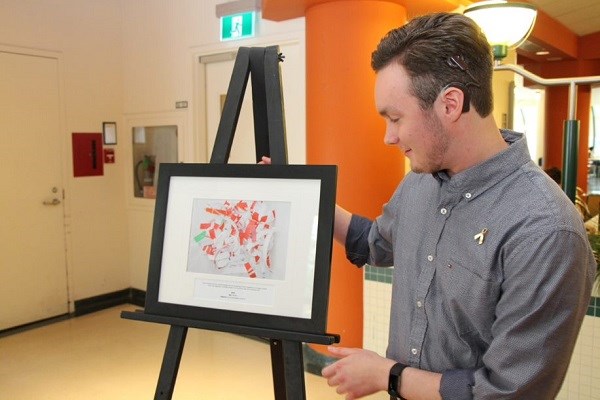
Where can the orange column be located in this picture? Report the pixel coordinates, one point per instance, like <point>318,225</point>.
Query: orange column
<point>344,128</point>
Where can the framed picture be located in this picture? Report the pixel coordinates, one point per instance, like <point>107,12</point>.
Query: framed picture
<point>109,132</point>
<point>246,245</point>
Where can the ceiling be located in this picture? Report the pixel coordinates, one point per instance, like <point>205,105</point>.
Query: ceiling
<point>582,17</point>
<point>549,43</point>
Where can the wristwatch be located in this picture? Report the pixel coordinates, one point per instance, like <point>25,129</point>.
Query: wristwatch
<point>394,380</point>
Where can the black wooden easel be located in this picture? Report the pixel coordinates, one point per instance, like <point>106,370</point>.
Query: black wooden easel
<point>269,135</point>
<point>267,102</point>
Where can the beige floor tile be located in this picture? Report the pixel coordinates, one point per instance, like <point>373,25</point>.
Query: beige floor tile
<point>102,356</point>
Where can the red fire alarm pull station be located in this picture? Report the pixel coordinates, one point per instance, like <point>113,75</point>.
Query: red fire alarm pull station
<point>109,156</point>
<point>87,154</point>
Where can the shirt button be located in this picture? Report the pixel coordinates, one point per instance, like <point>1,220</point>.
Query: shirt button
<point>414,351</point>
<point>443,211</point>
<point>430,258</point>
<point>419,304</point>
<point>468,195</point>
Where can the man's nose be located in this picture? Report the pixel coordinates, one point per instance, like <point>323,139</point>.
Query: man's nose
<point>391,137</point>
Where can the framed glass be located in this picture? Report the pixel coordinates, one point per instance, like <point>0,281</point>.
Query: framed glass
<point>243,244</point>
<point>109,132</point>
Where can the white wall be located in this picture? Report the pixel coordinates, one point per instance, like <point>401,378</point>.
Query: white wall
<point>595,119</point>
<point>123,61</point>
<point>159,39</point>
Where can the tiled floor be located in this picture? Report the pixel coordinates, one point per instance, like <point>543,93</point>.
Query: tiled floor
<point>102,356</point>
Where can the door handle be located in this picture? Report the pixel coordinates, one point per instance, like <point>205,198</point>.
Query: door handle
<point>54,202</point>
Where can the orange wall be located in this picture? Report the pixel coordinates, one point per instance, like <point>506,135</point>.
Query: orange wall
<point>581,58</point>
<point>589,46</point>
<point>551,34</point>
<point>556,115</point>
<point>343,128</point>
<point>557,102</point>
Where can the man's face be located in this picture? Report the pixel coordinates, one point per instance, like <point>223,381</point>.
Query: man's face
<point>419,134</point>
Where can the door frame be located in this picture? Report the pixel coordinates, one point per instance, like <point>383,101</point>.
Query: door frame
<point>65,160</point>
<point>198,116</point>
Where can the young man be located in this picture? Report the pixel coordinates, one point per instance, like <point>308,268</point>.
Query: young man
<point>492,266</point>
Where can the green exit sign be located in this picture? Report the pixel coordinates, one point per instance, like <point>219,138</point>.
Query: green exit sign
<point>238,26</point>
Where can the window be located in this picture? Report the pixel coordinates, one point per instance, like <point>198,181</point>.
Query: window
<point>152,145</point>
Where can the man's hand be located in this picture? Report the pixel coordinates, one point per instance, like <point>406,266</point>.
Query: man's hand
<point>342,217</point>
<point>358,373</point>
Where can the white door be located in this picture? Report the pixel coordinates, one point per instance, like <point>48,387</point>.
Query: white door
<point>33,277</point>
<point>217,74</point>
<point>529,117</point>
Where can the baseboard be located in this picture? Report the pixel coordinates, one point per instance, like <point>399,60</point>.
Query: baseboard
<point>33,325</point>
<point>137,297</point>
<point>96,303</point>
<point>85,306</point>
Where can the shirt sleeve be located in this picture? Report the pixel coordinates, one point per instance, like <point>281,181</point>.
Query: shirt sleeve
<point>545,293</point>
<point>457,384</point>
<point>357,245</point>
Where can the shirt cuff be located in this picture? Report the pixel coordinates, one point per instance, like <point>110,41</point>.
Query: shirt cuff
<point>357,243</point>
<point>457,384</point>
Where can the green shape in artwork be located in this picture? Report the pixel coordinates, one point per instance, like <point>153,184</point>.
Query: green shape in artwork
<point>200,236</point>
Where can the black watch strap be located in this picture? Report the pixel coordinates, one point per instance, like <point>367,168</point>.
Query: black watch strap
<point>394,380</point>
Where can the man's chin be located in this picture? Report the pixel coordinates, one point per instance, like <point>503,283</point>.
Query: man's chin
<point>420,170</point>
<point>416,169</point>
<point>428,168</point>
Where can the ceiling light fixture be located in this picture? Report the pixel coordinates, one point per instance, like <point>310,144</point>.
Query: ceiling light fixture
<point>506,25</point>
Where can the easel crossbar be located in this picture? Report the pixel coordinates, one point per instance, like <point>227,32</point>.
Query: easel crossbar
<point>325,339</point>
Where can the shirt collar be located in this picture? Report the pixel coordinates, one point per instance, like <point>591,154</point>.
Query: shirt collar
<point>480,177</point>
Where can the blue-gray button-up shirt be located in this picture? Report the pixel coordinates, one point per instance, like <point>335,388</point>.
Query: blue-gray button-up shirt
<point>492,278</point>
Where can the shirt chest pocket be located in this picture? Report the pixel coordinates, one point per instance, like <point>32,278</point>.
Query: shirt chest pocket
<point>468,300</point>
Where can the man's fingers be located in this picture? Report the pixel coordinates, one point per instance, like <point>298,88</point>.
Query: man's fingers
<point>265,160</point>
<point>328,371</point>
<point>341,351</point>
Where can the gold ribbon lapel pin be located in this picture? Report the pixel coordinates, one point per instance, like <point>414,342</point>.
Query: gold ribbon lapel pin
<point>480,237</point>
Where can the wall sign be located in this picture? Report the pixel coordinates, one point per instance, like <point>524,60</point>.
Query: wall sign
<point>238,26</point>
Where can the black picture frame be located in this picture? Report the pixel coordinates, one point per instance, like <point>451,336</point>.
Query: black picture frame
<point>109,133</point>
<point>183,284</point>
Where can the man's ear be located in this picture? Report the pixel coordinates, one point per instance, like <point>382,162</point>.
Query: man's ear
<point>455,98</point>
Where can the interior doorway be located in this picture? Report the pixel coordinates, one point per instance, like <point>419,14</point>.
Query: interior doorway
<point>528,118</point>
<point>213,73</point>
<point>33,266</point>
<point>594,144</point>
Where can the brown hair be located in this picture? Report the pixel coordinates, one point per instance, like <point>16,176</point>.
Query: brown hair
<point>437,50</point>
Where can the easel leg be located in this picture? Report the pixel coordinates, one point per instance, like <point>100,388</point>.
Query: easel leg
<point>288,370</point>
<point>170,364</point>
